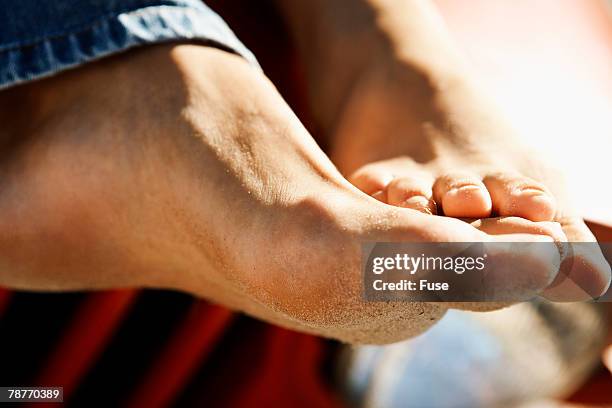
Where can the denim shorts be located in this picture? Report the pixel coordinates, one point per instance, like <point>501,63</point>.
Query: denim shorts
<point>41,38</point>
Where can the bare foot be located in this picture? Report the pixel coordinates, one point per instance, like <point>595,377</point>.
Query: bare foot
<point>181,167</point>
<point>409,125</point>
<point>459,160</point>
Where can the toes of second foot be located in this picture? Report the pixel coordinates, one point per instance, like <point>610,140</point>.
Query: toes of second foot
<point>459,194</point>
<point>514,195</point>
<point>411,193</point>
<point>462,195</point>
<point>469,196</point>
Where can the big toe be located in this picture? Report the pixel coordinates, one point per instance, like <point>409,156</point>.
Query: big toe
<point>505,226</point>
<point>585,273</point>
<point>462,195</point>
<point>515,195</point>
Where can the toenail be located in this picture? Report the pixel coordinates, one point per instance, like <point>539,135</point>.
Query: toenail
<point>542,198</point>
<point>420,203</point>
<point>537,197</point>
<point>533,192</point>
<point>468,188</point>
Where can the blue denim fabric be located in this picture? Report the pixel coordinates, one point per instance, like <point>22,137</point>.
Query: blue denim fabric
<point>39,38</point>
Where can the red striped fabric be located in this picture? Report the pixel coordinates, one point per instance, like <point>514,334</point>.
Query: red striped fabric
<point>290,375</point>
<point>182,355</point>
<point>84,339</point>
<point>5,297</point>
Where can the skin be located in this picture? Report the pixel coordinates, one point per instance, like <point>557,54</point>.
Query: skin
<point>181,167</point>
<point>409,124</point>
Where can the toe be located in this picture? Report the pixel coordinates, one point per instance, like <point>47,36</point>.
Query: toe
<point>373,181</point>
<point>585,273</point>
<point>410,192</point>
<point>517,225</point>
<point>515,195</point>
<point>462,195</point>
